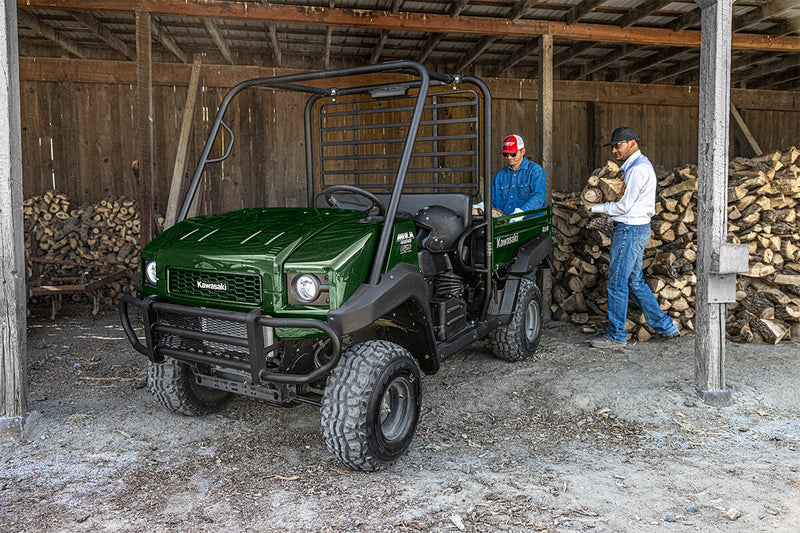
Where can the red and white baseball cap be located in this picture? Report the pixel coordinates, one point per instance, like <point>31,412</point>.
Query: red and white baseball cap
<point>512,144</point>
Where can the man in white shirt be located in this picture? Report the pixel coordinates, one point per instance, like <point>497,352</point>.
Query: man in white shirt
<point>631,216</point>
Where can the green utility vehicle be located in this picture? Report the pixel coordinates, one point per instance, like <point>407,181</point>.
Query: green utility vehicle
<point>384,274</point>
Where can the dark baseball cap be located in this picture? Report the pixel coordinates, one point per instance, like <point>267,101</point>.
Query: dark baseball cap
<point>623,134</point>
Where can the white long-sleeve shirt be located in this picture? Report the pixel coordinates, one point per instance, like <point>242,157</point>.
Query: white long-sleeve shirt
<point>638,204</point>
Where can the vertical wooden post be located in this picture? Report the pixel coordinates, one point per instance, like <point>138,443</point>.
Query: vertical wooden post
<point>144,123</point>
<point>13,347</point>
<point>546,110</point>
<point>712,204</point>
<point>546,144</point>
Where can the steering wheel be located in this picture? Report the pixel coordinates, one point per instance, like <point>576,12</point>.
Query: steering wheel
<point>376,202</point>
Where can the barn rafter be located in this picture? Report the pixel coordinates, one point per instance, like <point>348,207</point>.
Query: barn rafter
<point>604,39</point>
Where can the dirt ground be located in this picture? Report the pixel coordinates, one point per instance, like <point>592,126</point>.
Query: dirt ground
<point>578,440</point>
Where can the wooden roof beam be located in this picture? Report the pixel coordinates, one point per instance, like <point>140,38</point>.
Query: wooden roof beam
<point>433,41</point>
<point>384,35</point>
<point>435,38</point>
<point>760,68</point>
<point>102,33</point>
<point>649,62</point>
<point>520,8</point>
<point>473,54</point>
<point>326,61</point>
<point>787,85</point>
<point>785,81</point>
<point>574,51</point>
<point>580,10</point>
<point>790,62</point>
<point>273,38</point>
<point>457,7</point>
<point>327,55</point>
<point>641,11</point>
<point>606,60</point>
<point>771,9</point>
<point>216,36</point>
<point>516,13</point>
<point>411,21</point>
<point>690,18</point>
<point>276,49</point>
<point>746,61</point>
<point>531,47</point>
<point>790,25</point>
<point>28,19</point>
<point>677,70</point>
<point>168,42</point>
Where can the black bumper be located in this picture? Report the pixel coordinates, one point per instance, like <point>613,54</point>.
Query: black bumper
<point>257,344</point>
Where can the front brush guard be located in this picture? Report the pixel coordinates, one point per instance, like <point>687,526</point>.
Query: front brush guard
<point>256,342</point>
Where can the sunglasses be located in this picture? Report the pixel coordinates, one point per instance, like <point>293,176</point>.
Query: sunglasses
<point>511,155</point>
<point>616,146</point>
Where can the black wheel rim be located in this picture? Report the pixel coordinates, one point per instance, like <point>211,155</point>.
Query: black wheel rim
<point>396,409</point>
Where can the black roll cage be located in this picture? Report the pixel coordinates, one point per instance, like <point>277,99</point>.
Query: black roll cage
<point>424,79</point>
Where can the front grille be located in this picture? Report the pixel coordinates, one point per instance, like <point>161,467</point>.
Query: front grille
<point>215,286</point>
<point>207,325</point>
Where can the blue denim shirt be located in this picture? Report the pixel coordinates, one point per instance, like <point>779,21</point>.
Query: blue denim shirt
<point>522,189</point>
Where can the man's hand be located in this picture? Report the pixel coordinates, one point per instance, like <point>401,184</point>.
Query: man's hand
<point>496,212</point>
<point>587,205</point>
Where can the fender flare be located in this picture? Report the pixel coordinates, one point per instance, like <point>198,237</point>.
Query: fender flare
<point>531,254</point>
<point>403,284</point>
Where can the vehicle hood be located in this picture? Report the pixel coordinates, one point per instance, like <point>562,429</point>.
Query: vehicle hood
<point>249,241</point>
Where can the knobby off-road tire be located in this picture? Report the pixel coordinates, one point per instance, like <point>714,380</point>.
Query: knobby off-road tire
<point>172,383</point>
<point>520,338</point>
<point>371,405</point>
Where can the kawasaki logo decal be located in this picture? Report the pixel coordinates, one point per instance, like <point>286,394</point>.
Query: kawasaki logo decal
<point>511,239</point>
<point>222,286</point>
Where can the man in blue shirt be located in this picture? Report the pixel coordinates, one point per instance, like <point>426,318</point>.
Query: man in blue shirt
<point>520,185</point>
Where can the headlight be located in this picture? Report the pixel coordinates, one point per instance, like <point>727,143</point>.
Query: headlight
<point>306,287</point>
<point>150,272</point>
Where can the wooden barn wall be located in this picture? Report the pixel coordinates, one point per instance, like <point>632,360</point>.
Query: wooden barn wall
<point>78,138</point>
<point>580,129</point>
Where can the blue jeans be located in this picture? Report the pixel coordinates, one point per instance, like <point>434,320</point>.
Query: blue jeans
<point>625,279</point>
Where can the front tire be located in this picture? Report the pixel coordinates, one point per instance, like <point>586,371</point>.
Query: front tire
<point>520,338</point>
<point>174,386</point>
<point>371,405</point>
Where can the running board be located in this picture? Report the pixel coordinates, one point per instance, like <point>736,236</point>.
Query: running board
<point>455,344</point>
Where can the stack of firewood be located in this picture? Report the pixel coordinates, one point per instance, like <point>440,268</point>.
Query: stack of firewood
<point>103,234</point>
<point>764,203</point>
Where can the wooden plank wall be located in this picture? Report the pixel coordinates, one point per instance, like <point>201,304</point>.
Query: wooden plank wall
<point>668,134</point>
<point>78,138</point>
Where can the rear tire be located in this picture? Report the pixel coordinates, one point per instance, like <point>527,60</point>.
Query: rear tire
<point>520,338</point>
<point>371,405</point>
<point>173,384</point>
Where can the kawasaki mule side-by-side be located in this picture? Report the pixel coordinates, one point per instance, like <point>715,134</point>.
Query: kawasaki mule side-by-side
<point>383,275</point>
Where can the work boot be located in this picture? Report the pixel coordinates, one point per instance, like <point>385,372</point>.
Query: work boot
<point>605,342</point>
